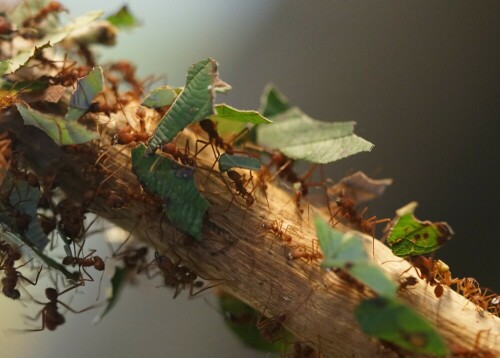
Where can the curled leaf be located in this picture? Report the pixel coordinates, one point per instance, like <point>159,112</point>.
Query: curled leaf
<point>193,104</point>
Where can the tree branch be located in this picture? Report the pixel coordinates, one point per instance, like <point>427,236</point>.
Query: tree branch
<point>319,306</point>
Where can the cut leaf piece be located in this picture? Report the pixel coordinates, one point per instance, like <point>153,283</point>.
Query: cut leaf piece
<point>87,88</point>
<point>299,136</point>
<point>194,103</point>
<point>117,282</point>
<point>29,253</point>
<point>21,212</point>
<point>161,97</point>
<point>359,187</point>
<point>242,321</point>
<point>272,102</point>
<point>51,39</point>
<point>227,161</point>
<point>184,205</point>
<point>392,321</point>
<point>60,131</point>
<point>224,111</point>
<point>346,252</point>
<point>411,237</point>
<point>123,18</point>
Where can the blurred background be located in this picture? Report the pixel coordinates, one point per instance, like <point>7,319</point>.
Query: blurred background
<point>422,81</point>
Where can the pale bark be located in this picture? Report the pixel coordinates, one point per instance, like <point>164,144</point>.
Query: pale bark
<point>318,305</point>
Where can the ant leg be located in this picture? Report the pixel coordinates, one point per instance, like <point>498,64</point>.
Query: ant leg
<point>36,278</point>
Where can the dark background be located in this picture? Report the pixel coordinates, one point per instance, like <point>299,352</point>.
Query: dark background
<point>422,81</point>
<point>420,78</point>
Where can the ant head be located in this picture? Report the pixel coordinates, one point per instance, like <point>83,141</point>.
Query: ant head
<point>249,200</point>
<point>11,292</point>
<point>98,263</point>
<point>67,260</point>
<point>51,294</point>
<point>169,148</point>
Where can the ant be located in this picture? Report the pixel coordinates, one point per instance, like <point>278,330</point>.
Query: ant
<point>72,217</point>
<point>300,252</point>
<point>178,155</point>
<point>51,317</point>
<point>435,273</point>
<point>127,134</point>
<point>270,327</point>
<point>240,183</point>
<point>347,208</point>
<point>176,275</point>
<point>85,261</point>
<point>51,7</point>
<point>470,289</point>
<point>9,282</point>
<point>276,228</point>
<point>407,282</point>
<point>133,257</point>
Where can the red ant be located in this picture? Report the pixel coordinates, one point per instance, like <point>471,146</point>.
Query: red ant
<point>276,228</point>
<point>183,158</point>
<point>96,262</point>
<point>407,282</point>
<point>51,7</point>
<point>128,134</point>
<point>270,327</point>
<point>300,252</point>
<point>72,217</point>
<point>9,282</point>
<point>176,275</point>
<point>240,183</point>
<point>128,74</point>
<point>433,272</point>
<point>51,317</point>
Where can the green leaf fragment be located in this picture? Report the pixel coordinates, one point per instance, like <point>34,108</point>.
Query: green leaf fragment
<point>193,104</point>
<point>123,18</point>
<point>50,39</point>
<point>227,161</point>
<point>411,237</point>
<point>224,111</point>
<point>23,198</point>
<point>346,251</point>
<point>60,131</point>
<point>161,97</point>
<point>184,205</point>
<point>29,253</point>
<point>272,102</point>
<point>242,321</point>
<point>392,321</point>
<point>87,88</point>
<point>117,283</point>
<point>299,136</point>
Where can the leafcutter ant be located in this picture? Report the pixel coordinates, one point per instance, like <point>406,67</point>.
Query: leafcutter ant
<point>51,7</point>
<point>176,275</point>
<point>275,227</point>
<point>407,282</point>
<point>300,252</point>
<point>87,261</point>
<point>51,317</point>
<point>9,282</point>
